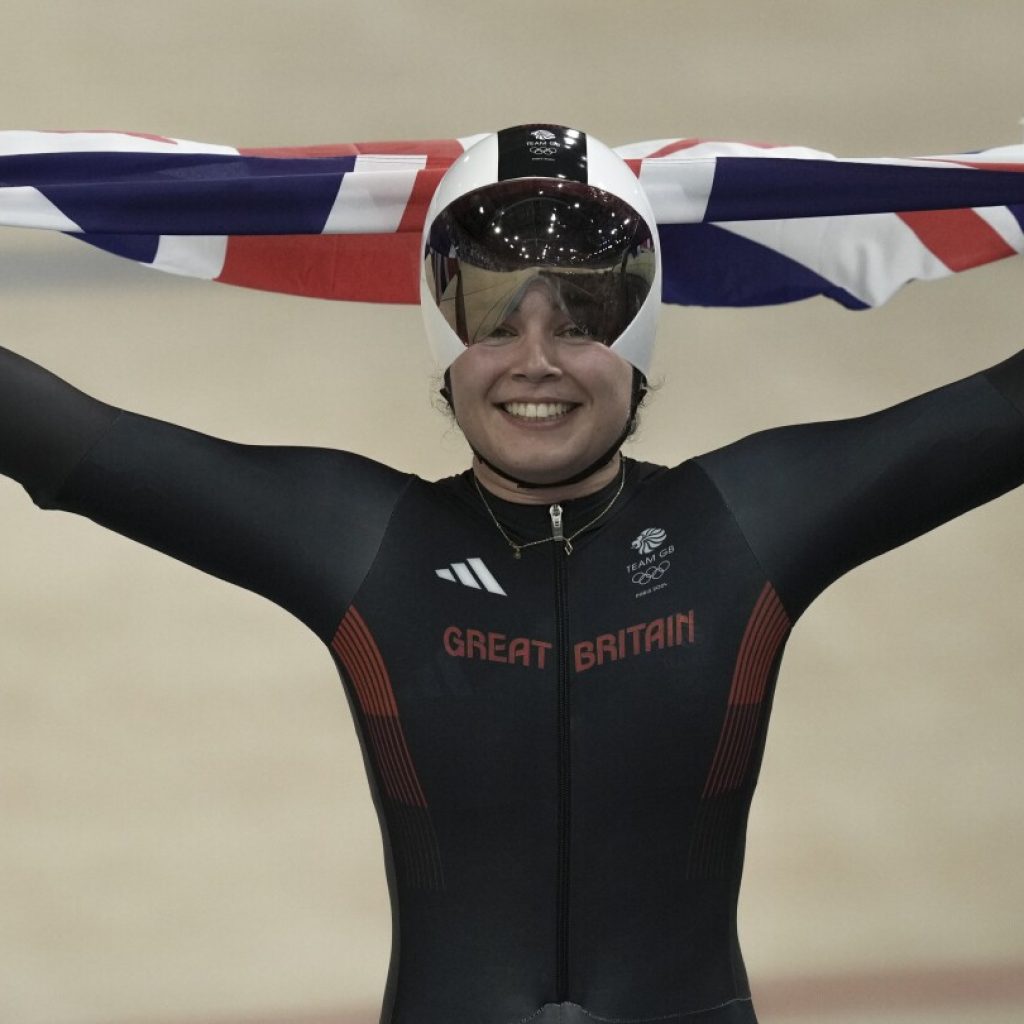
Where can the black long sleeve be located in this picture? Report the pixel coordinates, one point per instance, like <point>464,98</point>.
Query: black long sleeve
<point>817,499</point>
<point>46,425</point>
<point>298,525</point>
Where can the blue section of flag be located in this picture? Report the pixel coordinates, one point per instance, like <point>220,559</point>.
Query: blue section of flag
<point>704,265</point>
<point>765,188</point>
<point>155,193</point>
<point>141,248</point>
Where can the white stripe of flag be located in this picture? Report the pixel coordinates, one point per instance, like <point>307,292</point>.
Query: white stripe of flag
<point>192,255</point>
<point>1004,224</point>
<point>372,198</point>
<point>27,207</point>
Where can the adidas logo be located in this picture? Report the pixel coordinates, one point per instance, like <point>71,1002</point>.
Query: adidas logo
<point>472,573</point>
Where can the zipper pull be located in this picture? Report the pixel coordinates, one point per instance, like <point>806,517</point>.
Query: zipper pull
<point>555,511</point>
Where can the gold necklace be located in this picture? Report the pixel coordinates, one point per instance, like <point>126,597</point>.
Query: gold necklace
<point>555,511</point>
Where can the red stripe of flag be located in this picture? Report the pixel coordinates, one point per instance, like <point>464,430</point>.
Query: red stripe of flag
<point>680,144</point>
<point>674,147</point>
<point>357,268</point>
<point>960,238</point>
<point>293,152</point>
<point>979,165</point>
<point>423,190</point>
<point>439,152</point>
<point>111,131</point>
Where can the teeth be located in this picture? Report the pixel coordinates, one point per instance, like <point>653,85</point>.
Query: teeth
<point>537,410</point>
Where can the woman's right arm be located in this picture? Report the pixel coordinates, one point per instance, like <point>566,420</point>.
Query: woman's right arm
<point>300,526</point>
<point>46,426</point>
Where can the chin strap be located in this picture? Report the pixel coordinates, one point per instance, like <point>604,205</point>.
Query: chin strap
<point>639,391</point>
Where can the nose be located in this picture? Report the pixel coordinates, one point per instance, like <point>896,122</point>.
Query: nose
<point>535,357</point>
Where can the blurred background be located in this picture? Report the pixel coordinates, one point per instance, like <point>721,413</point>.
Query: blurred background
<point>186,835</point>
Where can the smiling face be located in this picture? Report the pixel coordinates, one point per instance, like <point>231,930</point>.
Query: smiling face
<point>541,399</point>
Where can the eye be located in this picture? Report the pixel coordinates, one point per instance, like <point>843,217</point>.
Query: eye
<point>576,332</point>
<point>503,332</point>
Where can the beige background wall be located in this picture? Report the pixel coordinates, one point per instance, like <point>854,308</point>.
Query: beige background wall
<point>184,829</point>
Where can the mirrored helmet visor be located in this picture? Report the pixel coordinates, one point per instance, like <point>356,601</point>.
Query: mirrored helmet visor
<point>592,251</point>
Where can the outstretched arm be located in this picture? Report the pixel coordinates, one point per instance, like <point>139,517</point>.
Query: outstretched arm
<point>300,526</point>
<point>817,499</point>
<point>1008,377</point>
<point>46,426</point>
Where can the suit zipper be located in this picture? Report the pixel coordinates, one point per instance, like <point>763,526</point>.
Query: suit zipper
<point>564,751</point>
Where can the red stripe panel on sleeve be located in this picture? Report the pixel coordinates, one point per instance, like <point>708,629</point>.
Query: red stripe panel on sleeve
<point>354,644</point>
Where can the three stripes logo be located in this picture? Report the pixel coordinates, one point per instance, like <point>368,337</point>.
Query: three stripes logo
<point>472,573</point>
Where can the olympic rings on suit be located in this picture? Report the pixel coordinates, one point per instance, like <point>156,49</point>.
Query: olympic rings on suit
<point>655,572</point>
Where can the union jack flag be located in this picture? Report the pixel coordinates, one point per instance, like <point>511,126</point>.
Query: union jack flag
<point>740,224</point>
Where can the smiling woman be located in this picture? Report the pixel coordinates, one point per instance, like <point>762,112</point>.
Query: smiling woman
<point>541,261</point>
<point>544,407</point>
<point>560,662</point>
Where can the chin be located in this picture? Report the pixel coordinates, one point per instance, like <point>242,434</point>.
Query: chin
<point>541,471</point>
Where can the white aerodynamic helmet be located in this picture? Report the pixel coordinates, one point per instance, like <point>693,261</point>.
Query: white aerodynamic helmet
<point>549,202</point>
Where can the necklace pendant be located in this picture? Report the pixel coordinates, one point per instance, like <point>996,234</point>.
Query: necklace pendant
<point>516,552</point>
<point>568,545</point>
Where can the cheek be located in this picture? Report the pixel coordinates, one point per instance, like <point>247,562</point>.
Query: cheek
<point>610,380</point>
<point>469,378</point>
<point>473,376</point>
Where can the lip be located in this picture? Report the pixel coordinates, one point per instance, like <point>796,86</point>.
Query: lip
<point>549,423</point>
<point>538,400</point>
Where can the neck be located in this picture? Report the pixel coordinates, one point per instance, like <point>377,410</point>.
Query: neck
<point>494,483</point>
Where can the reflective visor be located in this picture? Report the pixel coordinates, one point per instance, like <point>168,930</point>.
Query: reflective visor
<point>594,252</point>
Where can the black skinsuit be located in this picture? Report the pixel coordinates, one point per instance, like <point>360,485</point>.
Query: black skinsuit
<point>562,747</point>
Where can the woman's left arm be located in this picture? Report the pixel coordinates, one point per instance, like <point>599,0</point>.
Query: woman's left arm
<point>814,500</point>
